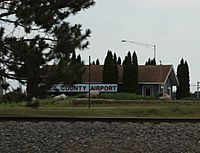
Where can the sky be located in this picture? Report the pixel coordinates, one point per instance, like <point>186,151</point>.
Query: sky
<point>172,25</point>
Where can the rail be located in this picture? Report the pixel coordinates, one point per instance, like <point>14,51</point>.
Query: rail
<point>99,119</point>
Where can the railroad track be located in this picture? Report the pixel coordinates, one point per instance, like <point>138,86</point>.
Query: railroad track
<point>99,119</point>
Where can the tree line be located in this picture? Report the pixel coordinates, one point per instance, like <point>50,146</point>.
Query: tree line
<point>130,73</point>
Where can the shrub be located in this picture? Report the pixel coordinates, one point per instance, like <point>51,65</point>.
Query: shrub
<point>80,96</point>
<point>13,97</point>
<point>124,96</point>
<point>189,98</point>
<point>33,104</point>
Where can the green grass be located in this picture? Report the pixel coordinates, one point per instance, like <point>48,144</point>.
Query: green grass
<point>104,109</point>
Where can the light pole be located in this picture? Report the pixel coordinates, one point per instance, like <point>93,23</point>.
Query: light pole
<point>198,83</point>
<point>144,45</point>
<point>89,82</point>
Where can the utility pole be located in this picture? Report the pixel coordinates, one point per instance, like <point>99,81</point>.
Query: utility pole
<point>144,45</point>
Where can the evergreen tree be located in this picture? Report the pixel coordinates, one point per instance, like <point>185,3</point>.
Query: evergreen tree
<point>187,80</point>
<point>151,62</point>
<point>183,90</point>
<point>119,61</point>
<point>97,62</point>
<point>130,73</point>
<point>115,58</point>
<point>110,70</point>
<point>135,72</point>
<point>45,35</point>
<point>127,73</point>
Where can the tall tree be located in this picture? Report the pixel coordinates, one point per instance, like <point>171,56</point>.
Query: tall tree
<point>110,70</point>
<point>135,72</point>
<point>97,62</point>
<point>151,61</point>
<point>183,90</point>
<point>115,58</point>
<point>40,34</point>
<point>130,73</point>
<point>119,61</point>
<point>127,73</point>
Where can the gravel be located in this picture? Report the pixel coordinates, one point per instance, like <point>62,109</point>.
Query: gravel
<point>98,137</point>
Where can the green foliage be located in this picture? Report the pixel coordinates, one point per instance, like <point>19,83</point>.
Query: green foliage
<point>183,90</point>
<point>13,97</point>
<point>45,35</point>
<point>5,85</point>
<point>110,69</point>
<point>119,61</point>
<point>33,104</point>
<point>123,96</point>
<point>189,99</point>
<point>66,71</point>
<point>97,62</point>
<point>151,62</point>
<point>130,73</point>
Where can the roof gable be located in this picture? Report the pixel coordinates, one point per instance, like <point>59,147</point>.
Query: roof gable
<point>153,73</point>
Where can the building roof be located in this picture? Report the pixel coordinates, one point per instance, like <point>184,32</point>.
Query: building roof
<point>147,74</point>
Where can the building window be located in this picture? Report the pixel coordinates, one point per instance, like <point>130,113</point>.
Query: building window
<point>148,91</point>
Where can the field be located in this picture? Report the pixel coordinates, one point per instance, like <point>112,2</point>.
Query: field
<point>104,108</point>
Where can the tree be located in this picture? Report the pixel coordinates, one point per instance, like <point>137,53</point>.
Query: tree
<point>119,61</point>
<point>151,62</point>
<point>135,72</point>
<point>110,69</point>
<point>40,34</point>
<point>130,73</point>
<point>97,62</point>
<point>115,58</point>
<point>183,90</point>
<point>127,74</point>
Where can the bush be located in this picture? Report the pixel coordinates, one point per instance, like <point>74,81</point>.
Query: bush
<point>13,97</point>
<point>80,96</point>
<point>123,96</point>
<point>158,95</point>
<point>189,98</point>
<point>33,104</point>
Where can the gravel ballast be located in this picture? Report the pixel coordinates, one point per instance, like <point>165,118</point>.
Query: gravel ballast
<point>98,137</point>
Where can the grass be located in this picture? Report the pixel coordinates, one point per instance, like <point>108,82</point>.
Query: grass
<point>105,109</point>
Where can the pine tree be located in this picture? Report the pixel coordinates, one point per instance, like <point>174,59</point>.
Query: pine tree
<point>130,73</point>
<point>135,72</point>
<point>183,90</point>
<point>97,62</point>
<point>110,70</point>
<point>151,61</point>
<point>46,36</point>
<point>115,58</point>
<point>127,73</point>
<point>187,80</point>
<point>119,61</point>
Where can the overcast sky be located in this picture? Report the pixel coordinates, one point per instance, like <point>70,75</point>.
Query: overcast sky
<point>172,25</point>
